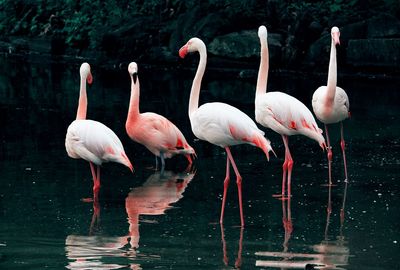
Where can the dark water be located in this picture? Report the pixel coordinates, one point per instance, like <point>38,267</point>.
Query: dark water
<point>147,220</point>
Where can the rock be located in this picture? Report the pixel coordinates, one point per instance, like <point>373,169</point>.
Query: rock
<point>318,52</point>
<point>134,38</point>
<point>374,52</point>
<point>245,44</point>
<point>196,23</point>
<point>383,26</point>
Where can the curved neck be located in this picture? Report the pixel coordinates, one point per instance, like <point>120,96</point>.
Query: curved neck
<point>133,111</point>
<point>332,74</point>
<point>82,106</point>
<point>195,91</point>
<point>263,70</point>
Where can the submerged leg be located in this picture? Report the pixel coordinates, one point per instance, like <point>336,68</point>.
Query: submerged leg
<point>238,183</point>
<point>162,161</point>
<point>329,154</point>
<point>226,184</point>
<point>343,146</point>
<point>156,163</point>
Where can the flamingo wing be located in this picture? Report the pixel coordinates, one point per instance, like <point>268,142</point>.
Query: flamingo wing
<point>94,142</point>
<point>222,124</point>
<point>286,115</point>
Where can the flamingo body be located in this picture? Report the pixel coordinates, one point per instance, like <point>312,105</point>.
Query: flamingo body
<point>94,142</point>
<point>340,108</point>
<point>286,115</point>
<point>224,125</point>
<point>158,134</point>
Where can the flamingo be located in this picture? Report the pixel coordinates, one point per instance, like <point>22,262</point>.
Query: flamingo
<point>154,131</point>
<point>331,103</point>
<point>282,113</point>
<point>221,124</point>
<point>91,140</point>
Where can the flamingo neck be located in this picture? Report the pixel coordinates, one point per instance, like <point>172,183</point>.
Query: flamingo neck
<point>263,70</point>
<point>332,75</point>
<point>195,91</point>
<point>82,106</point>
<point>133,111</point>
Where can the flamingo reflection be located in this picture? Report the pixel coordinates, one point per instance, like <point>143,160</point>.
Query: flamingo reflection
<point>329,254</point>
<point>154,197</point>
<point>238,261</point>
<point>91,251</point>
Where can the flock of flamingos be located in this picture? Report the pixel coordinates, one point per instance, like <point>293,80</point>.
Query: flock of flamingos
<point>218,123</point>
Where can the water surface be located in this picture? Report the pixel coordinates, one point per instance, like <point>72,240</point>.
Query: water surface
<point>149,220</point>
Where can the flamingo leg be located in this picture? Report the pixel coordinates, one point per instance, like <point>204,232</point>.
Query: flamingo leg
<point>162,161</point>
<point>238,183</point>
<point>226,184</point>
<point>289,162</point>
<point>329,154</point>
<point>329,211</point>
<point>284,170</point>
<point>189,158</point>
<point>95,217</point>
<point>96,180</point>
<point>156,163</point>
<point>343,146</point>
<point>343,205</point>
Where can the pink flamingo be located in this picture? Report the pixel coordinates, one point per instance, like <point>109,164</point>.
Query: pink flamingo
<point>331,103</point>
<point>220,123</point>
<point>282,113</point>
<point>154,131</point>
<point>91,140</point>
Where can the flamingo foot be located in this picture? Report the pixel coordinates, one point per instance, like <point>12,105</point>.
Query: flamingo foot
<point>87,200</point>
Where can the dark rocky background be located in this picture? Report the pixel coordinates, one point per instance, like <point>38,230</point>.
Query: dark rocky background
<point>114,32</point>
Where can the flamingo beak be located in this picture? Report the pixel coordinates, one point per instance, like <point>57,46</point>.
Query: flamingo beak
<point>183,51</point>
<point>89,78</point>
<point>323,146</point>
<point>134,76</point>
<point>336,38</point>
<point>273,152</point>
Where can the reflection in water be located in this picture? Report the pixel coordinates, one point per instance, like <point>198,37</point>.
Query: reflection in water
<point>329,254</point>
<point>154,197</point>
<point>238,261</point>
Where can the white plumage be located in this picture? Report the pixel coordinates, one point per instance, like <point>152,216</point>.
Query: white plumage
<point>223,125</point>
<point>94,142</point>
<point>340,110</point>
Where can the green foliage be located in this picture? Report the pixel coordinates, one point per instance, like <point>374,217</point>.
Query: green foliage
<point>82,23</point>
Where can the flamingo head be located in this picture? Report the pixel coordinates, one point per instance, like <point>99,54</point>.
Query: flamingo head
<point>191,46</point>
<point>262,32</point>
<point>86,73</point>
<point>133,71</point>
<point>335,33</point>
